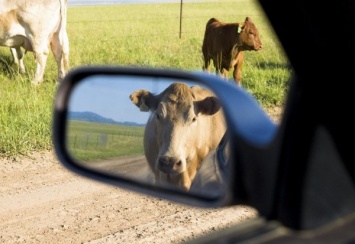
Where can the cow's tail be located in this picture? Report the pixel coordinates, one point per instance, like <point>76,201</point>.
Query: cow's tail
<point>64,40</point>
<point>63,14</point>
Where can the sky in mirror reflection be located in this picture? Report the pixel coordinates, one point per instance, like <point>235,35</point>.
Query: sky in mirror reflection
<point>108,96</point>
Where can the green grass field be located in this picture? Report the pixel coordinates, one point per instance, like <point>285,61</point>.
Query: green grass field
<point>143,35</point>
<point>92,141</point>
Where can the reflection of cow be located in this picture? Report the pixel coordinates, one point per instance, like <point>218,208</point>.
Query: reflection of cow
<point>212,177</point>
<point>35,25</point>
<point>224,43</point>
<point>186,123</point>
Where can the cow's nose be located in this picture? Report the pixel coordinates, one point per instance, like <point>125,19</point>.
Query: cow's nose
<point>164,161</point>
<point>169,164</point>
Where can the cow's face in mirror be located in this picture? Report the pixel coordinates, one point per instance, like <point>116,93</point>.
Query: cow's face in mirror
<point>185,124</point>
<point>164,132</point>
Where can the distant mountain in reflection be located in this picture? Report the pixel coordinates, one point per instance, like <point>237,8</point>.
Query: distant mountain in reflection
<point>96,118</point>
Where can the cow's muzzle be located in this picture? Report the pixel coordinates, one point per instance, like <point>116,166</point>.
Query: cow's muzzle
<point>169,165</point>
<point>258,47</point>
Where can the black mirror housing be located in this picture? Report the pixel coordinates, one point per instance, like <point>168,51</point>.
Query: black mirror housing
<point>247,123</point>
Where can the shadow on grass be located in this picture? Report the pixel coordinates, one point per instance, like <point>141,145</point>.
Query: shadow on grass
<point>273,66</point>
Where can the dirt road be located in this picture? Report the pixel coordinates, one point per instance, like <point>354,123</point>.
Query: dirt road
<point>42,202</point>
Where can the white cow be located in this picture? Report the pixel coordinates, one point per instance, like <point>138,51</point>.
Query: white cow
<point>36,25</point>
<point>186,123</point>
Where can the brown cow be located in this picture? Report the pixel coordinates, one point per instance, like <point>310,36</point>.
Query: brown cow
<point>35,26</point>
<point>224,43</point>
<point>185,124</point>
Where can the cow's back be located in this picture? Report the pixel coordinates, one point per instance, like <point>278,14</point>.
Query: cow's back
<point>36,26</point>
<point>219,37</point>
<point>34,22</point>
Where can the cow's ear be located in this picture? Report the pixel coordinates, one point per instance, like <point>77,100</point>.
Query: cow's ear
<point>241,26</point>
<point>248,20</point>
<point>143,99</point>
<point>208,106</point>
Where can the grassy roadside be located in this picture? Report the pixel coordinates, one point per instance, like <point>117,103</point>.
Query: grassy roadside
<point>144,35</point>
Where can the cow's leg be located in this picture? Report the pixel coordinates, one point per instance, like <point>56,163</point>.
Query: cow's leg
<point>60,49</point>
<point>40,48</point>
<point>216,65</point>
<point>41,60</point>
<point>207,63</point>
<point>225,74</point>
<point>17,55</point>
<point>237,73</point>
<point>217,61</point>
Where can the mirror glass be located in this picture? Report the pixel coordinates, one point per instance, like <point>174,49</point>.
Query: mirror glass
<point>150,129</point>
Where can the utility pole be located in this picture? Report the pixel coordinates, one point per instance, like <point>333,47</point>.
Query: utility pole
<point>180,18</point>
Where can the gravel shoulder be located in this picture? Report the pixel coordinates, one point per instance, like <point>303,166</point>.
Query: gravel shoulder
<point>42,202</point>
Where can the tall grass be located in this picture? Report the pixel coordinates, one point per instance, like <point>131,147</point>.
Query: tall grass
<point>143,35</point>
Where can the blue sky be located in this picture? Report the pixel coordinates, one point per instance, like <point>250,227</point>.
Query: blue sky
<point>108,96</point>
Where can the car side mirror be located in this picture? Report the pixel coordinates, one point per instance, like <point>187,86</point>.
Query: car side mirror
<point>167,133</point>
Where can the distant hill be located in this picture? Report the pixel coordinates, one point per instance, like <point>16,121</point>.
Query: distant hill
<point>93,117</point>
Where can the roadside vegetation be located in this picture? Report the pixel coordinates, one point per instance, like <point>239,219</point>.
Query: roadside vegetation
<point>141,35</point>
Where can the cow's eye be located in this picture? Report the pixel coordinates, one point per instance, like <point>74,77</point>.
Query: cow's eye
<point>194,119</point>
